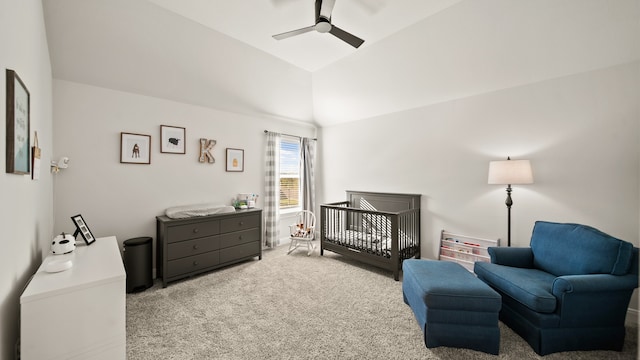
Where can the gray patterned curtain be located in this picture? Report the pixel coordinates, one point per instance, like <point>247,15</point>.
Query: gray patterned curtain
<point>271,191</point>
<point>308,163</point>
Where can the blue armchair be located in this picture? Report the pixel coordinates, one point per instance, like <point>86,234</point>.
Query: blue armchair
<point>569,290</point>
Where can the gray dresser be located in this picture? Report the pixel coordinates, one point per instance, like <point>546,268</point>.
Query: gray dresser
<point>195,245</point>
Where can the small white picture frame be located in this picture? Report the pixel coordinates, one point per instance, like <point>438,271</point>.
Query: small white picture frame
<point>235,160</point>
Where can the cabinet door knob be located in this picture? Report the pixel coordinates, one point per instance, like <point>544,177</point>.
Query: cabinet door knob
<point>241,223</point>
<point>195,230</point>
<point>195,247</point>
<point>195,263</point>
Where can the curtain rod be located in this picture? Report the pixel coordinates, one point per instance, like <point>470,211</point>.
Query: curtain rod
<point>299,137</point>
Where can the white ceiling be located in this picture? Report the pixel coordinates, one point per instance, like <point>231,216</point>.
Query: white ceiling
<point>221,54</point>
<point>416,53</point>
<point>254,22</point>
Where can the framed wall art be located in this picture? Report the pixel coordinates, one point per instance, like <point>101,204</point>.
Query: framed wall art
<point>135,148</point>
<point>235,159</point>
<point>83,229</point>
<point>18,142</point>
<point>172,139</point>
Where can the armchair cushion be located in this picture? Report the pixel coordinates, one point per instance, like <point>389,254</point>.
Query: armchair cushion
<point>531,287</point>
<point>573,249</point>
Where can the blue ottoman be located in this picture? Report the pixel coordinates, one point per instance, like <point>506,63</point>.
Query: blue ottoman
<point>452,306</point>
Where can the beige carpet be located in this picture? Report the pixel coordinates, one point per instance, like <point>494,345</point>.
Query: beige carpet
<point>298,307</point>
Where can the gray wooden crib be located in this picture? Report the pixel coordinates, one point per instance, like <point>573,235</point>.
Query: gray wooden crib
<point>381,229</point>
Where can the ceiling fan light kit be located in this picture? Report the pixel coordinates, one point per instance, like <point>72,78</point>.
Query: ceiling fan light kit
<point>324,25</point>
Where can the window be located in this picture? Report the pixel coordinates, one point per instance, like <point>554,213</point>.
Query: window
<point>289,172</point>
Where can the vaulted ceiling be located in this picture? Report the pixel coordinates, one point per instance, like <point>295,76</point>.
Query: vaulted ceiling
<point>215,53</point>
<point>254,22</point>
<point>221,54</point>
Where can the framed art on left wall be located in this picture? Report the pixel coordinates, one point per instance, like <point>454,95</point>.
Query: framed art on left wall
<point>18,141</point>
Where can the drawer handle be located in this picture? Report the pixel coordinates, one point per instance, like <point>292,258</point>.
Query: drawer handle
<point>195,247</point>
<point>195,263</point>
<point>240,237</point>
<point>241,223</point>
<point>195,230</point>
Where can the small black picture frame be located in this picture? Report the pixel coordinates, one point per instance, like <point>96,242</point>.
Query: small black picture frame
<point>83,229</point>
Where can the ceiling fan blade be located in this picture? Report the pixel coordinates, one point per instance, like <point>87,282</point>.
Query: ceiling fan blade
<point>289,34</point>
<point>346,37</point>
<point>326,8</point>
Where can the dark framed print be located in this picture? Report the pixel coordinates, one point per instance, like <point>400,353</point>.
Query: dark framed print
<point>172,139</point>
<point>235,159</point>
<point>135,148</point>
<point>18,141</point>
<point>83,229</point>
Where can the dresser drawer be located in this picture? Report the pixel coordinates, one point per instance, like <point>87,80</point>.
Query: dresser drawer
<point>240,251</point>
<point>239,237</point>
<point>192,231</point>
<point>182,249</point>
<point>192,263</point>
<point>239,223</point>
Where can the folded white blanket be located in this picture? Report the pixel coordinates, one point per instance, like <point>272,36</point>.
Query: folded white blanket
<point>181,212</point>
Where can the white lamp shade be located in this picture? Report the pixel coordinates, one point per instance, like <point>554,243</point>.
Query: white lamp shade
<point>509,172</point>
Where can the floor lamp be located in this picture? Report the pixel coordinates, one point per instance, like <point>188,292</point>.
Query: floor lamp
<point>510,172</point>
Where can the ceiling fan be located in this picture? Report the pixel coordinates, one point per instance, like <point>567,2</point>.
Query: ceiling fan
<point>324,25</point>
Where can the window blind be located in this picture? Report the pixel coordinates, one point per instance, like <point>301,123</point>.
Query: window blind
<point>289,172</point>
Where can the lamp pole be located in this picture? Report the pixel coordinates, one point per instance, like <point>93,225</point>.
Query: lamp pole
<point>509,202</point>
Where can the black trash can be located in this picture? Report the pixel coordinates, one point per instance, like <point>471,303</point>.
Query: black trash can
<point>137,263</point>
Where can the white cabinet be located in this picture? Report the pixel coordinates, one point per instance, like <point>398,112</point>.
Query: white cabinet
<point>465,250</point>
<point>79,313</point>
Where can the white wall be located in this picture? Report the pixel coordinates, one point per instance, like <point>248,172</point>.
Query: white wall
<point>26,214</point>
<point>124,199</point>
<point>581,133</point>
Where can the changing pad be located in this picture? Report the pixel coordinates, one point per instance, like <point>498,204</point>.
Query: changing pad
<point>186,211</point>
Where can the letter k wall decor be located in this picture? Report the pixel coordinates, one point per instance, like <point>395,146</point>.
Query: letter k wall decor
<point>206,146</point>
